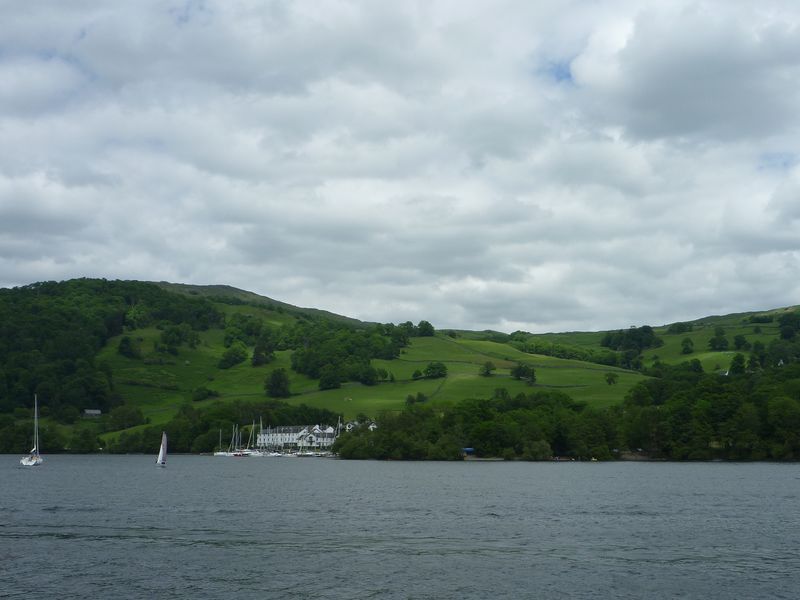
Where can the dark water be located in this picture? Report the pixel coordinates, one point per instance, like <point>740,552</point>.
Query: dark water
<point>211,527</point>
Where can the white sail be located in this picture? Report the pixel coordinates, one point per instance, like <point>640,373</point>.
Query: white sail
<point>34,459</point>
<point>162,452</point>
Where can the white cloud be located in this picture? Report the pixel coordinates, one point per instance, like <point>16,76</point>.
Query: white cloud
<point>516,166</point>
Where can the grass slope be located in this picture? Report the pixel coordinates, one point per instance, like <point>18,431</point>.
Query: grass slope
<point>160,388</point>
<point>702,331</point>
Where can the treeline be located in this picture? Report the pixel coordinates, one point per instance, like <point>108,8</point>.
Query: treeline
<point>525,342</point>
<point>635,339</point>
<point>681,413</point>
<point>624,347</point>
<point>336,353</point>
<point>50,333</point>
<point>533,426</point>
<point>332,351</point>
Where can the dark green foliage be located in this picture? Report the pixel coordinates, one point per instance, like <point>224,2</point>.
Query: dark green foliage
<point>690,415</point>
<point>740,343</point>
<point>737,365</point>
<point>129,347</point>
<point>329,378</point>
<point>487,368</point>
<point>524,342</point>
<point>681,413</point>
<point>719,342</point>
<point>265,345</point>
<point>346,350</point>
<point>123,417</point>
<point>277,384</point>
<point>435,370</point>
<point>234,355</point>
<point>84,441</point>
<point>789,321</point>
<point>419,398</point>
<point>611,378</point>
<point>50,333</point>
<point>261,357</point>
<point>680,328</point>
<point>760,319</point>
<point>523,371</point>
<point>173,336</point>
<point>687,346</point>
<point>203,393</point>
<point>635,338</point>
<point>526,427</point>
<point>425,329</point>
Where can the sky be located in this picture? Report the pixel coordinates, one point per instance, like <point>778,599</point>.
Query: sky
<point>507,165</point>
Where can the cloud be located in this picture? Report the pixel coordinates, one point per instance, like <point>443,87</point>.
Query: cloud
<point>709,71</point>
<point>586,165</point>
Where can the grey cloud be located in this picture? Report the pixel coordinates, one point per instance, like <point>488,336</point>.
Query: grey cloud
<point>410,162</point>
<point>719,71</point>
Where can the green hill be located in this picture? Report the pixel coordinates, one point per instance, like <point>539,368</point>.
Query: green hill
<point>149,354</point>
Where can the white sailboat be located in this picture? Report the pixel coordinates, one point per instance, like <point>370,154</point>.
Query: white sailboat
<point>34,459</point>
<point>161,461</point>
<point>229,451</point>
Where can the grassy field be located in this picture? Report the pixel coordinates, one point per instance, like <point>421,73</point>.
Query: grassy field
<point>160,388</point>
<point>702,331</point>
<point>701,334</point>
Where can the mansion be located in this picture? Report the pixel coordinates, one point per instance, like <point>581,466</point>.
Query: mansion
<point>297,437</point>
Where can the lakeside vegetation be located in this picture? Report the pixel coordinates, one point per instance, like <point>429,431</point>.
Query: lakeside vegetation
<point>194,360</point>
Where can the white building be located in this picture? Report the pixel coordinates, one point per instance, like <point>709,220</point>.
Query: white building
<point>297,437</point>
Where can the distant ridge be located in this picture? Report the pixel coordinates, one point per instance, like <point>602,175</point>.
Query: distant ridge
<point>227,291</point>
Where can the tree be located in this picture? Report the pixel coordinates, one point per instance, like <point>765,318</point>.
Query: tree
<point>329,378</point>
<point>425,329</point>
<point>523,371</point>
<point>277,384</point>
<point>611,378</point>
<point>737,365</point>
<point>718,343</point>
<point>129,348</point>
<point>487,368</point>
<point>687,346</point>
<point>434,370</point>
<point>740,342</point>
<point>233,356</point>
<point>123,417</point>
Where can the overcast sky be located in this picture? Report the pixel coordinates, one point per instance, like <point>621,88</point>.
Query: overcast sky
<point>545,166</point>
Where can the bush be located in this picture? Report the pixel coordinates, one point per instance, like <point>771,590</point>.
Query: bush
<point>234,355</point>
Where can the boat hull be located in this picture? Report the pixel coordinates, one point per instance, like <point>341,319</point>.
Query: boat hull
<point>31,461</point>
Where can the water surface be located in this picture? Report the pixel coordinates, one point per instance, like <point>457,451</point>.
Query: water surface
<point>212,527</point>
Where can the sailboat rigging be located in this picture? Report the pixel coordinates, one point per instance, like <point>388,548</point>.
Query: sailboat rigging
<point>34,458</point>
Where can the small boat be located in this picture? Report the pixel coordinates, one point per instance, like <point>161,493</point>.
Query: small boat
<point>161,461</point>
<point>34,459</point>
<point>221,452</point>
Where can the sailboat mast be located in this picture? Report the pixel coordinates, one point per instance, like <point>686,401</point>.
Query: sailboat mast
<point>36,423</point>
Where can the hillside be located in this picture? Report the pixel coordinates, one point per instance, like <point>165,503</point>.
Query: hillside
<point>757,326</point>
<point>152,355</point>
<point>227,294</point>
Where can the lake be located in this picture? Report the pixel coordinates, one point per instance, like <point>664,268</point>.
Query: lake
<point>214,527</point>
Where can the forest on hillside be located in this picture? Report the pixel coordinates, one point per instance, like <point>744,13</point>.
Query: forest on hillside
<point>51,333</point>
<point>681,413</point>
